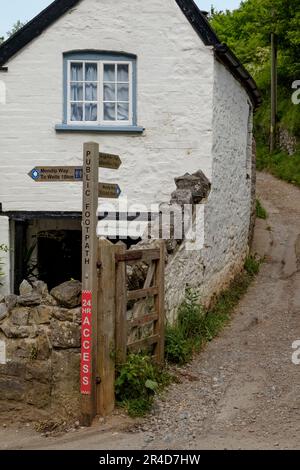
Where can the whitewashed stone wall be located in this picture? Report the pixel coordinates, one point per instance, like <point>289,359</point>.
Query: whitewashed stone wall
<point>175,81</point>
<point>194,113</point>
<point>4,256</point>
<point>227,212</point>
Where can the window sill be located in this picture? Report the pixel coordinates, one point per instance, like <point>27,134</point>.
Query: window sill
<point>108,129</point>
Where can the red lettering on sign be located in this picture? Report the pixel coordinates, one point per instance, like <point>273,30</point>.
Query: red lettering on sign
<point>86,344</point>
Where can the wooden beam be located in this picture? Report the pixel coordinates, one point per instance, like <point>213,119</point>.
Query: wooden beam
<point>106,329</point>
<point>273,127</point>
<point>121,306</point>
<point>142,293</point>
<point>139,307</point>
<point>138,255</point>
<point>159,326</point>
<point>142,320</point>
<point>89,271</point>
<point>143,343</point>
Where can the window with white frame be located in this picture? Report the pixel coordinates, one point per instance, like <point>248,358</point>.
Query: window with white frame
<point>100,92</point>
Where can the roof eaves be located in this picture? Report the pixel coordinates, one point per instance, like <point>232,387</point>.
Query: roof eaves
<point>225,55</point>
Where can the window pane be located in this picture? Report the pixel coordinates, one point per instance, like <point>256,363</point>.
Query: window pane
<point>91,72</point>
<point>109,92</point>
<point>109,73</point>
<point>123,92</point>
<point>76,112</point>
<point>76,92</point>
<point>123,112</point>
<point>76,72</point>
<point>123,73</point>
<point>91,92</point>
<point>109,112</point>
<point>91,112</point>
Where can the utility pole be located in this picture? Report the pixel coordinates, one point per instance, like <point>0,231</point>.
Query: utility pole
<point>273,130</point>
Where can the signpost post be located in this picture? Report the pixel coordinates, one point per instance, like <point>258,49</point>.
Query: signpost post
<point>92,190</point>
<point>89,281</point>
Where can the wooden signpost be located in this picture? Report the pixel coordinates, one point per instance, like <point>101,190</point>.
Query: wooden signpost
<point>46,174</point>
<point>107,160</point>
<point>89,279</point>
<point>109,191</point>
<point>92,190</point>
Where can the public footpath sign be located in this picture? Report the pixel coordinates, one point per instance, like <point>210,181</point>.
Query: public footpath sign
<point>107,160</point>
<point>46,174</point>
<point>89,274</point>
<point>86,343</point>
<point>92,190</point>
<point>109,191</point>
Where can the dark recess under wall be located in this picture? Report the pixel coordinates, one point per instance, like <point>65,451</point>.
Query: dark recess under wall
<point>59,256</point>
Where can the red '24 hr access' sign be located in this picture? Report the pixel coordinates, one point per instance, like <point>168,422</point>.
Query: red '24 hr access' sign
<point>86,344</point>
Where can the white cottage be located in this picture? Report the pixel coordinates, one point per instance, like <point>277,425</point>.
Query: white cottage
<point>149,80</point>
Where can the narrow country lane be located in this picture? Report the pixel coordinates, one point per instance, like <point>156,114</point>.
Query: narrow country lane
<point>243,391</point>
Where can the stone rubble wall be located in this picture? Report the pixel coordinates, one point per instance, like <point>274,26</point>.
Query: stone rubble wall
<point>287,141</point>
<point>40,348</point>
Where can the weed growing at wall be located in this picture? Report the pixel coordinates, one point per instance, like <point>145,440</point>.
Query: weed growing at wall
<point>139,379</point>
<point>137,382</point>
<point>252,266</point>
<point>195,325</point>
<point>261,212</point>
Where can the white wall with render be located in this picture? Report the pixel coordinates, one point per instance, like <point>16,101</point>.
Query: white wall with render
<point>195,116</point>
<point>227,211</point>
<point>174,104</point>
<point>5,256</point>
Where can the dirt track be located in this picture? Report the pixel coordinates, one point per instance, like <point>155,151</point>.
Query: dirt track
<point>243,391</point>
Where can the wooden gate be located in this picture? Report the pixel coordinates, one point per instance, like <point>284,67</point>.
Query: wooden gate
<point>116,301</point>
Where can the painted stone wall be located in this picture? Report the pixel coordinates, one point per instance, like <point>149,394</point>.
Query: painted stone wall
<point>174,105</point>
<point>228,207</point>
<point>40,349</point>
<point>287,141</point>
<point>4,256</point>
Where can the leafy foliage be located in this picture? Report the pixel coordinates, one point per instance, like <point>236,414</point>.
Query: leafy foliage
<point>247,31</point>
<point>18,25</point>
<point>137,382</point>
<point>139,379</point>
<point>261,212</point>
<point>252,265</point>
<point>286,167</point>
<point>195,325</point>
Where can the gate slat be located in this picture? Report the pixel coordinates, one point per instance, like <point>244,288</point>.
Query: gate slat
<point>121,306</point>
<point>142,293</point>
<point>143,343</point>
<point>142,320</point>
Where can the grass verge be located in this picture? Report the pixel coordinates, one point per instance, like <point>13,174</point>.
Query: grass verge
<point>261,212</point>
<point>195,325</point>
<point>280,164</point>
